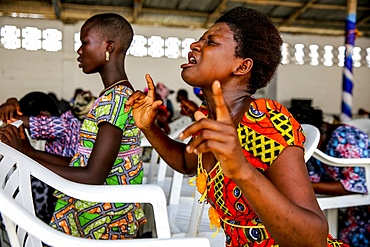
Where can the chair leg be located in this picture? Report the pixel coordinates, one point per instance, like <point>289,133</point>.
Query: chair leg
<point>332,217</point>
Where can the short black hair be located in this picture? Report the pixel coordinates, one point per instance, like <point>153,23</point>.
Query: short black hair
<point>183,93</point>
<point>35,102</point>
<point>114,27</point>
<point>257,38</point>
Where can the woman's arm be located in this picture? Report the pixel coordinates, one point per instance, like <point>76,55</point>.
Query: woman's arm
<point>330,188</point>
<point>283,198</point>
<point>144,109</point>
<point>101,159</point>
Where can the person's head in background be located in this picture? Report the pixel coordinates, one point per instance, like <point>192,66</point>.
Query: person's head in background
<point>249,39</point>
<point>181,95</point>
<point>37,104</point>
<point>163,91</point>
<point>306,114</point>
<point>105,39</point>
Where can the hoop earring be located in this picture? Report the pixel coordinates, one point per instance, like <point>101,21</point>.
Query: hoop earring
<point>107,56</point>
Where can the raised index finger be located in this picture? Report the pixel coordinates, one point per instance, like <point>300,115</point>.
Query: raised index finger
<point>151,87</point>
<point>222,112</point>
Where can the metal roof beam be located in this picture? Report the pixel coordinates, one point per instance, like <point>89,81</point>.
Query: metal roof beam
<point>296,14</point>
<point>57,8</point>
<point>216,13</point>
<point>298,4</point>
<point>138,6</point>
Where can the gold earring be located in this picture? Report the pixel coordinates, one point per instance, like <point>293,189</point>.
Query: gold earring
<point>107,56</point>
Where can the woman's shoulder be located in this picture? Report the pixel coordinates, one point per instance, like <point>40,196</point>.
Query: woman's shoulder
<point>271,119</point>
<point>117,91</point>
<point>266,108</point>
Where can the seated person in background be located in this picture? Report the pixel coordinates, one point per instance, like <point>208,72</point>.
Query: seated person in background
<point>82,103</point>
<point>42,119</point>
<point>342,141</point>
<point>163,116</point>
<point>188,107</point>
<point>164,92</point>
<point>62,104</point>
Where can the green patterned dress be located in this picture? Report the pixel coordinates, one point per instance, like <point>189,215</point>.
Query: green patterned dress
<point>105,220</point>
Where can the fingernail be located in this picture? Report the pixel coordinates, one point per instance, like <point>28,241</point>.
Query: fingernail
<point>218,84</point>
<point>181,135</point>
<point>188,149</point>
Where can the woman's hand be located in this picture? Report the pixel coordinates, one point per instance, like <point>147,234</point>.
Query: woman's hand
<point>188,108</point>
<point>144,106</point>
<point>217,136</point>
<point>9,110</point>
<point>16,138</point>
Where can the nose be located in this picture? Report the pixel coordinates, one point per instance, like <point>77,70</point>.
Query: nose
<point>195,46</point>
<point>79,51</point>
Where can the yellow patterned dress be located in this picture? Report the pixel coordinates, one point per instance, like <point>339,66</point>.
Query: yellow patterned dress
<point>105,220</point>
<point>265,130</point>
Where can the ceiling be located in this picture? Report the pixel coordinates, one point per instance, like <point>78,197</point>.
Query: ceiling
<point>322,17</point>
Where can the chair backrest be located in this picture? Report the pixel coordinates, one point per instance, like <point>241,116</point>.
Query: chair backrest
<point>330,204</point>
<point>312,140</point>
<point>361,123</point>
<point>25,229</point>
<point>327,202</point>
<point>180,123</point>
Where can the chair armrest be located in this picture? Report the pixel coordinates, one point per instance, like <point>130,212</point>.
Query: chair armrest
<point>342,162</point>
<point>148,193</point>
<point>50,236</point>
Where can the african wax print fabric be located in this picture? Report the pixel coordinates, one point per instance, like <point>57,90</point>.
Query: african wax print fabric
<point>264,131</point>
<point>105,220</point>
<point>61,135</point>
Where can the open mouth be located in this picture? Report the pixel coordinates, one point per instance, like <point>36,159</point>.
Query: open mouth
<point>191,58</point>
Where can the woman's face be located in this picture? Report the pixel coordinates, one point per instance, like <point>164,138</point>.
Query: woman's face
<point>211,58</point>
<point>92,50</point>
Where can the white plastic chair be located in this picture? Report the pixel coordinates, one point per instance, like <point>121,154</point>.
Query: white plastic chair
<point>312,140</point>
<point>330,204</point>
<point>25,229</point>
<point>180,123</point>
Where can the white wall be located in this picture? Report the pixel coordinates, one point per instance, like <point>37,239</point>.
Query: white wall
<point>322,84</point>
<point>22,71</point>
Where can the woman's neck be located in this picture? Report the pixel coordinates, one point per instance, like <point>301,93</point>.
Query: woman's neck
<point>238,102</point>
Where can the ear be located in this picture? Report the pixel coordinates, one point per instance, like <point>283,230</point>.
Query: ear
<point>244,67</point>
<point>110,46</point>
